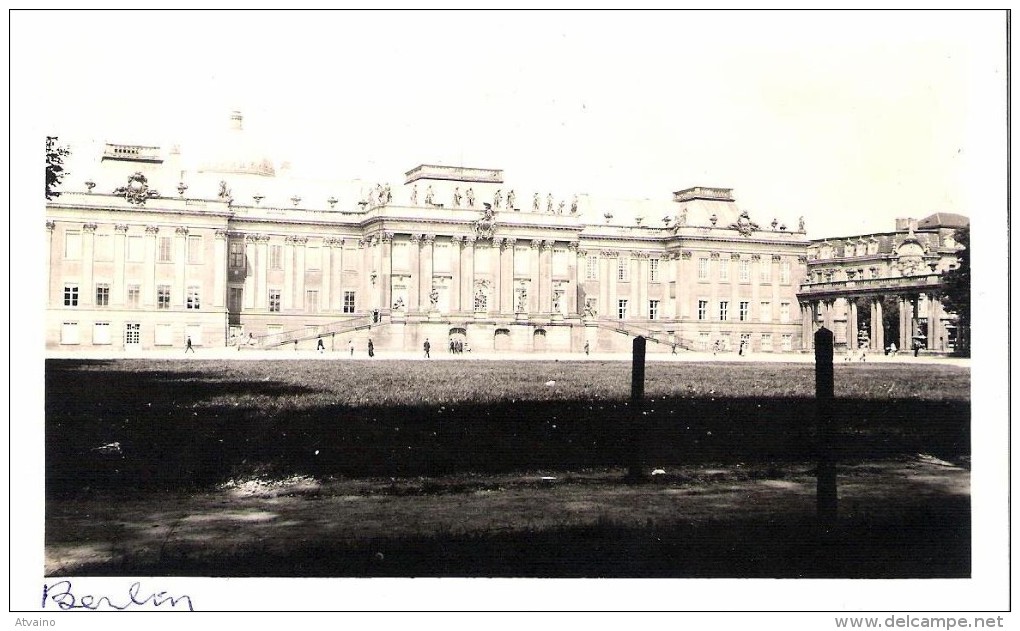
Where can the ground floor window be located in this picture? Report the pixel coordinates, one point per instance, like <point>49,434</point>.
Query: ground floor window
<point>787,342</point>
<point>621,308</point>
<point>134,296</point>
<point>703,340</point>
<point>163,297</point>
<point>101,333</point>
<point>194,331</point>
<point>312,301</point>
<point>348,302</point>
<point>164,335</point>
<point>766,342</point>
<point>70,295</point>
<point>69,333</point>
<point>653,309</point>
<point>132,334</point>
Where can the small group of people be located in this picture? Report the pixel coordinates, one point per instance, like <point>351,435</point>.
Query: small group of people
<point>457,346</point>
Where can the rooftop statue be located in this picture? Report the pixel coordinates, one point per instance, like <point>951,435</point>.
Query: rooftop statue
<point>510,198</point>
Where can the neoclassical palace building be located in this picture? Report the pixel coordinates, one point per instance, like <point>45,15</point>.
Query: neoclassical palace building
<point>147,250</point>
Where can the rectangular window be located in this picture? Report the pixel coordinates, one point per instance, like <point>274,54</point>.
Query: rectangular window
<point>745,311</point>
<point>744,269</point>
<point>164,335</point>
<point>702,269</point>
<point>441,257</point>
<point>313,258</point>
<point>69,333</point>
<point>135,249</point>
<point>702,309</point>
<point>193,331</point>
<point>621,308</point>
<point>274,300</point>
<point>591,267</point>
<point>623,269</point>
<point>312,301</point>
<point>784,272</point>
<point>653,270</point>
<point>787,342</point>
<point>101,333</point>
<point>766,270</point>
<point>102,295</point>
<point>784,312</point>
<point>104,247</point>
<point>703,340</point>
<point>766,342</point>
<point>276,257</point>
<point>724,309</point>
<point>724,270</point>
<point>348,302</point>
<point>653,309</point>
<point>132,334</point>
<point>163,297</point>
<point>195,250</point>
<point>72,246</point>
<point>237,254</point>
<point>765,313</point>
<point>134,296</point>
<point>166,250</point>
<point>194,297</point>
<point>70,295</point>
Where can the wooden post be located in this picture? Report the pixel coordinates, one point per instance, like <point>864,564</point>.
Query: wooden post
<point>637,396</point>
<point>824,395</point>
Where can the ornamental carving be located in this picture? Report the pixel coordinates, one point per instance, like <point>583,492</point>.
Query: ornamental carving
<point>735,256</point>
<point>429,238</point>
<point>800,259</point>
<point>221,234</point>
<point>686,255</point>
<point>756,257</point>
<point>573,245</point>
<point>182,231</point>
<point>121,227</point>
<point>151,229</point>
<point>610,254</point>
<point>50,225</point>
<point>469,239</point>
<point>89,227</point>
<point>536,243</point>
<point>714,255</point>
<point>415,238</point>
<point>640,254</point>
<point>262,238</point>
<point>744,225</point>
<point>486,226</point>
<point>777,257</point>
<point>137,190</point>
<point>252,238</point>
<point>386,236</point>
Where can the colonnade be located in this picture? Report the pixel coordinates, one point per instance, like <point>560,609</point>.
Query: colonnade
<point>822,312</point>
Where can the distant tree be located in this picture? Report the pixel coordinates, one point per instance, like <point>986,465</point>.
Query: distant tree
<point>55,155</point>
<point>956,291</point>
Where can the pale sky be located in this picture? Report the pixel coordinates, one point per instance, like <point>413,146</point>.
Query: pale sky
<point>849,119</point>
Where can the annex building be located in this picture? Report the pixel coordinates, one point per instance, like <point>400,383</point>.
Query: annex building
<point>151,248</point>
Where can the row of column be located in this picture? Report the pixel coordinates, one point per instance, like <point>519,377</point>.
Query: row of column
<point>908,312</point>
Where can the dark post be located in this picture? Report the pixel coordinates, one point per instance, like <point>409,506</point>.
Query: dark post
<point>824,395</point>
<point>332,341</point>
<point>637,396</point>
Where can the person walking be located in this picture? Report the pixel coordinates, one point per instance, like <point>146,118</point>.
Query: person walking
<point>188,346</point>
<point>371,348</point>
<point>351,345</point>
<point>674,348</point>
<point>427,347</point>
<point>320,346</point>
<point>587,348</point>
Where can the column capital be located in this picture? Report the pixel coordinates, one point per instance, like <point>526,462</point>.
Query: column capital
<point>640,254</point>
<point>713,255</point>
<point>756,257</point>
<point>50,225</point>
<point>291,239</point>
<point>778,257</point>
<point>686,255</point>
<point>457,238</point>
<point>547,244</point>
<point>414,237</point>
<point>610,254</point>
<point>470,239</point>
<point>181,231</point>
<point>800,259</point>
<point>430,238</point>
<point>386,236</point>
<point>151,229</point>
<point>121,227</point>
<point>221,234</point>
<point>573,246</point>
<point>89,227</point>
<point>735,256</point>
<point>262,238</point>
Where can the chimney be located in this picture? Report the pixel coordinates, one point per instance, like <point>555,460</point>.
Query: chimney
<point>906,224</point>
<point>236,120</point>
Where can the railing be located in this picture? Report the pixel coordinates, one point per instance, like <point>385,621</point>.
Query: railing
<point>870,284</point>
<point>272,340</point>
<point>652,335</point>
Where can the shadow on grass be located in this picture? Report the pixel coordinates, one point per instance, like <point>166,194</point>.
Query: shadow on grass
<point>168,436</point>
<point>933,542</point>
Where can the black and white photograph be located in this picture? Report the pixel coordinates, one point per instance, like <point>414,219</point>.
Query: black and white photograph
<point>510,311</point>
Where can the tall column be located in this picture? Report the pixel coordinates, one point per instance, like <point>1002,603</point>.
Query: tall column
<point>365,299</point>
<point>827,310</point>
<point>904,322</point>
<point>851,320</point>
<point>936,336</point>
<point>535,290</point>
<point>735,292</point>
<point>149,277</point>
<point>681,271</point>
<point>386,272</point>
<point>756,264</point>
<point>325,289</point>
<point>300,244</point>
<point>604,269</point>
<point>287,299</point>
<point>427,267</point>
<point>573,263</point>
<point>456,288</point>
<point>119,289</point>
<point>180,288</point>
<point>878,327</point>
<point>806,325</point>
<point>506,300</point>
<point>545,277</point>
<point>219,263</point>
<point>262,269</point>
<point>640,284</point>
<point>338,277</point>
<point>51,299</point>
<point>774,275</point>
<point>469,272</point>
<point>496,265</point>
<point>87,292</point>
<point>612,258</point>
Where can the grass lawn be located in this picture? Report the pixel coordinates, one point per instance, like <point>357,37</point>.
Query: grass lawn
<point>439,468</point>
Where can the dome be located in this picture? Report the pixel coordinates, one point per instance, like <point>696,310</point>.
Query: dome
<point>234,152</point>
